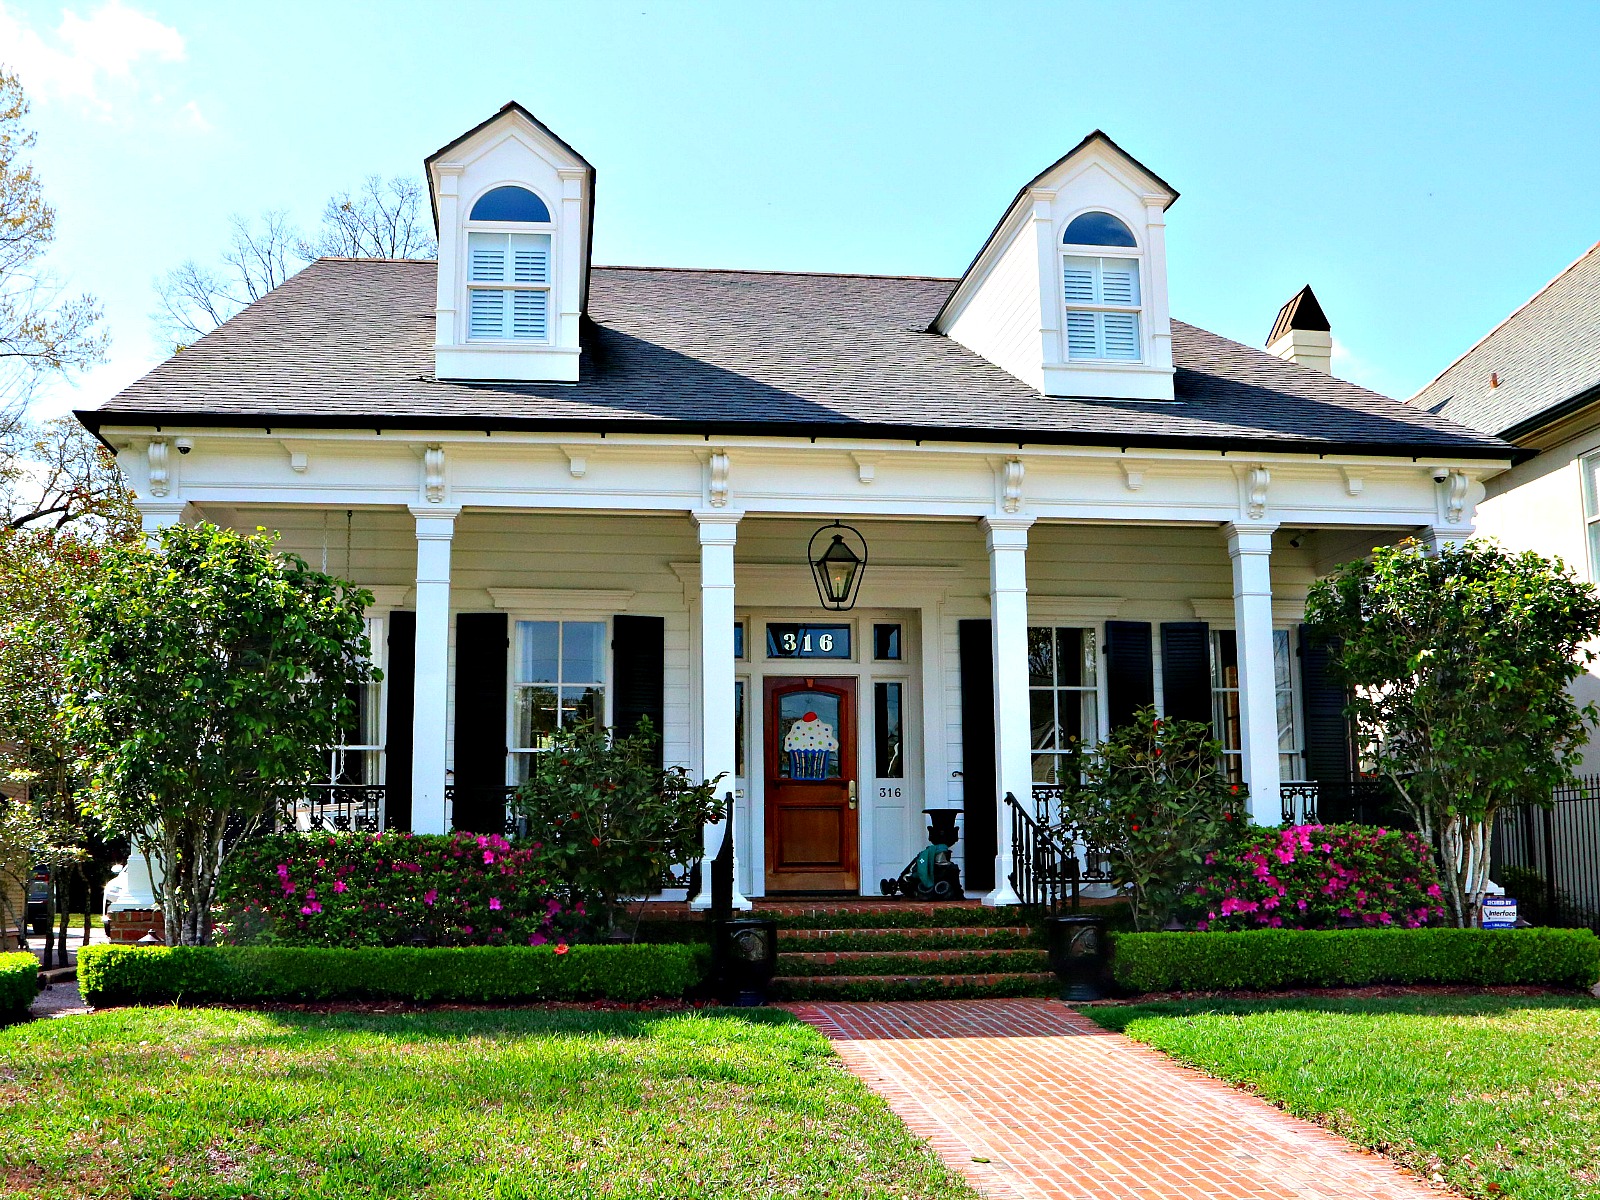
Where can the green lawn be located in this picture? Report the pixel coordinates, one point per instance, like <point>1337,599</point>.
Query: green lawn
<point>174,1102</point>
<point>1499,1095</point>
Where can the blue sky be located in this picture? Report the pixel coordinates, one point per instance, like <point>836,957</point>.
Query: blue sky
<point>1425,167</point>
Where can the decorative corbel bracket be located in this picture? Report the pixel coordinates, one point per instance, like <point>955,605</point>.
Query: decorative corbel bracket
<point>1253,485</point>
<point>866,465</point>
<point>577,460</point>
<point>717,470</point>
<point>1011,485</point>
<point>1456,499</point>
<point>158,454</point>
<point>299,456</point>
<point>1132,475</point>
<point>1354,483</point>
<point>433,474</point>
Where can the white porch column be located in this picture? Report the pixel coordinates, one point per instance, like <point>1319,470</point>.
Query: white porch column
<point>719,530</point>
<point>1250,548</point>
<point>1007,541</point>
<point>156,515</point>
<point>430,705</point>
<point>1437,537</point>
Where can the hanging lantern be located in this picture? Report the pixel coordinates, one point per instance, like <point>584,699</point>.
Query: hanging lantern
<point>839,567</point>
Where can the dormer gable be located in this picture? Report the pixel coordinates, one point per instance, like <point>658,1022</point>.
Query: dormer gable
<point>514,206</point>
<point>1069,292</point>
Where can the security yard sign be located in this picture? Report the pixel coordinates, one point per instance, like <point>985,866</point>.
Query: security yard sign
<point>1499,912</point>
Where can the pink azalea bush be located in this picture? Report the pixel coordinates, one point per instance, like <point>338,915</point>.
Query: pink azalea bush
<point>1318,877</point>
<point>394,889</point>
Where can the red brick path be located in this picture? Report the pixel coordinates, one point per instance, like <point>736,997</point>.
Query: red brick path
<point>1061,1109</point>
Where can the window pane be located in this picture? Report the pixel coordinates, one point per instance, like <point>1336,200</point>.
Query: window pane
<point>888,742</point>
<point>530,258</point>
<point>1081,340</point>
<point>1591,486</point>
<point>1069,657</point>
<point>1281,658</point>
<point>535,717</point>
<point>582,706</point>
<point>738,639</point>
<point>1097,229</point>
<point>486,258</point>
<point>1088,718</point>
<point>583,651</point>
<point>1286,738</point>
<point>537,651</point>
<point>1041,658</point>
<point>1042,707</point>
<point>1121,335</point>
<point>1078,275</point>
<point>1119,281</point>
<point>529,315</point>
<point>738,727</point>
<point>1594,550</point>
<point>487,313</point>
<point>886,643</point>
<point>1090,677</point>
<point>808,735</point>
<point>1224,659</point>
<point>510,203</point>
<point>1044,768</point>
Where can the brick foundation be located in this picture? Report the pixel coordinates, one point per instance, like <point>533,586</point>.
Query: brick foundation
<point>127,926</point>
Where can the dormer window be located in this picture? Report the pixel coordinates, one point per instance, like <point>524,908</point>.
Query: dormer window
<point>508,267</point>
<point>1101,292</point>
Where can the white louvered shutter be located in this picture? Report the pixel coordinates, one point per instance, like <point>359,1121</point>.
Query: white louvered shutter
<point>509,313</point>
<point>530,258</point>
<point>1093,334</point>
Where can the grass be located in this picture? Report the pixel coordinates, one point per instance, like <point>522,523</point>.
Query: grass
<point>508,1104</point>
<point>1497,1095</point>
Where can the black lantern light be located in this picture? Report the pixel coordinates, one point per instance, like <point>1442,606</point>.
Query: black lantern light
<point>838,569</point>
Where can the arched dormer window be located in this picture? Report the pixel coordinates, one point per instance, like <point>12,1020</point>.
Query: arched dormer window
<point>1101,292</point>
<point>508,266</point>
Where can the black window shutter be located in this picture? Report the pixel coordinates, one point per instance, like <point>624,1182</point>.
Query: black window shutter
<point>480,757</point>
<point>638,672</point>
<point>400,679</point>
<point>1186,670</point>
<point>978,771</point>
<point>1130,670</point>
<point>1323,699</point>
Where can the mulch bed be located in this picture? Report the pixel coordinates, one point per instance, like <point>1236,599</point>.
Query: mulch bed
<point>1372,992</point>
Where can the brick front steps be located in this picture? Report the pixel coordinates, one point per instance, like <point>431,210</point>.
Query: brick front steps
<point>904,950</point>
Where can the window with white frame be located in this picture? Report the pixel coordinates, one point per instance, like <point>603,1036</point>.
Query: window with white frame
<point>358,759</point>
<point>1227,715</point>
<point>1063,695</point>
<point>508,268</point>
<point>559,680</point>
<point>1101,293</point>
<point>1590,465</point>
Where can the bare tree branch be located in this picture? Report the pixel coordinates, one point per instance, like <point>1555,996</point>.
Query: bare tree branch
<point>379,220</point>
<point>192,299</point>
<point>56,475</point>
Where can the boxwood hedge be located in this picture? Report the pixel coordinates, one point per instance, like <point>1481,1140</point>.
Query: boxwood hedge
<point>19,983</point>
<point>1265,959</point>
<point>473,974</point>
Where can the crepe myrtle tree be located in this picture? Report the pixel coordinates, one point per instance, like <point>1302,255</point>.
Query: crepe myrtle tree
<point>1459,663</point>
<point>211,674</point>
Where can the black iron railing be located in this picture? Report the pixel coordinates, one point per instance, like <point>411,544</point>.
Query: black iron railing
<point>1046,872</point>
<point>334,807</point>
<point>1549,858</point>
<point>482,798</point>
<point>1365,800</point>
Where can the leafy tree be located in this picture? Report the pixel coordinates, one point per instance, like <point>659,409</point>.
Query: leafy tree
<point>41,333</point>
<point>608,823</point>
<point>211,674</point>
<point>1152,799</point>
<point>1460,663</point>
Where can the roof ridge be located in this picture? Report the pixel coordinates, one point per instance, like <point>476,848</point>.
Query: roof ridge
<point>1506,320</point>
<point>770,271</point>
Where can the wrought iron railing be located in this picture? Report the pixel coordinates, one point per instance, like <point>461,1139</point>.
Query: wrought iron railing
<point>1557,852</point>
<point>1364,799</point>
<point>1046,872</point>
<point>334,807</point>
<point>494,794</point>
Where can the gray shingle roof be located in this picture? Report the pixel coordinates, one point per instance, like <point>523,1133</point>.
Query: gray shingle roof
<point>349,343</point>
<point>1544,354</point>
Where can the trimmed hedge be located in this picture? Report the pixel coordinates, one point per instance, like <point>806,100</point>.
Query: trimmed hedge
<point>19,983</point>
<point>472,974</point>
<point>1263,959</point>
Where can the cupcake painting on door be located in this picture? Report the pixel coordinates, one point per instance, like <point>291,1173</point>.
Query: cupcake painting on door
<point>809,744</point>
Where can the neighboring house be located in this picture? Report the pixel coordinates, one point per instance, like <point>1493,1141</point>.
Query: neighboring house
<point>587,491</point>
<point>1534,380</point>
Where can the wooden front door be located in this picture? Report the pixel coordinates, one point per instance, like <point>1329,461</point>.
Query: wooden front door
<point>811,804</point>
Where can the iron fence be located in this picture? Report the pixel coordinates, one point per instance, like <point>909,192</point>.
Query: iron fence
<point>1046,872</point>
<point>334,808</point>
<point>1549,858</point>
<point>1364,800</point>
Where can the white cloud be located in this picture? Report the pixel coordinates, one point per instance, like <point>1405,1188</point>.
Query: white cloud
<point>92,59</point>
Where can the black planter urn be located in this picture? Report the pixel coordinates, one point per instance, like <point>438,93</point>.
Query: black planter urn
<point>1080,955</point>
<point>744,959</point>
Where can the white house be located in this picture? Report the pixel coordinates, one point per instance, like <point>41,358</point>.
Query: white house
<point>580,490</point>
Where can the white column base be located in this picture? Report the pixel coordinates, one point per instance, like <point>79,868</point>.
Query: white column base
<point>1003,896</point>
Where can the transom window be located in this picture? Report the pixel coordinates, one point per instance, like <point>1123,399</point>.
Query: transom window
<point>1227,715</point>
<point>1101,294</point>
<point>560,674</point>
<point>1063,694</point>
<point>510,203</point>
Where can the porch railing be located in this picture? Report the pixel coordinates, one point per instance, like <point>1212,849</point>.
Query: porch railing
<point>500,795</point>
<point>1557,850</point>
<point>334,807</point>
<point>1046,873</point>
<point>1365,800</point>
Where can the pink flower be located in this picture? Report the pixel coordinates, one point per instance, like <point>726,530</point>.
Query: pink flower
<point>494,903</point>
<point>537,939</point>
<point>488,856</point>
<point>309,909</point>
<point>1433,890</point>
<point>340,885</point>
<point>467,929</point>
<point>429,896</point>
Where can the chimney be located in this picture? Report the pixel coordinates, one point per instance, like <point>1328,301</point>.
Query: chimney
<point>1300,334</point>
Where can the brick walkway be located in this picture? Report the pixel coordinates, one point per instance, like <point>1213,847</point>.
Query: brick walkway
<point>1063,1110</point>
